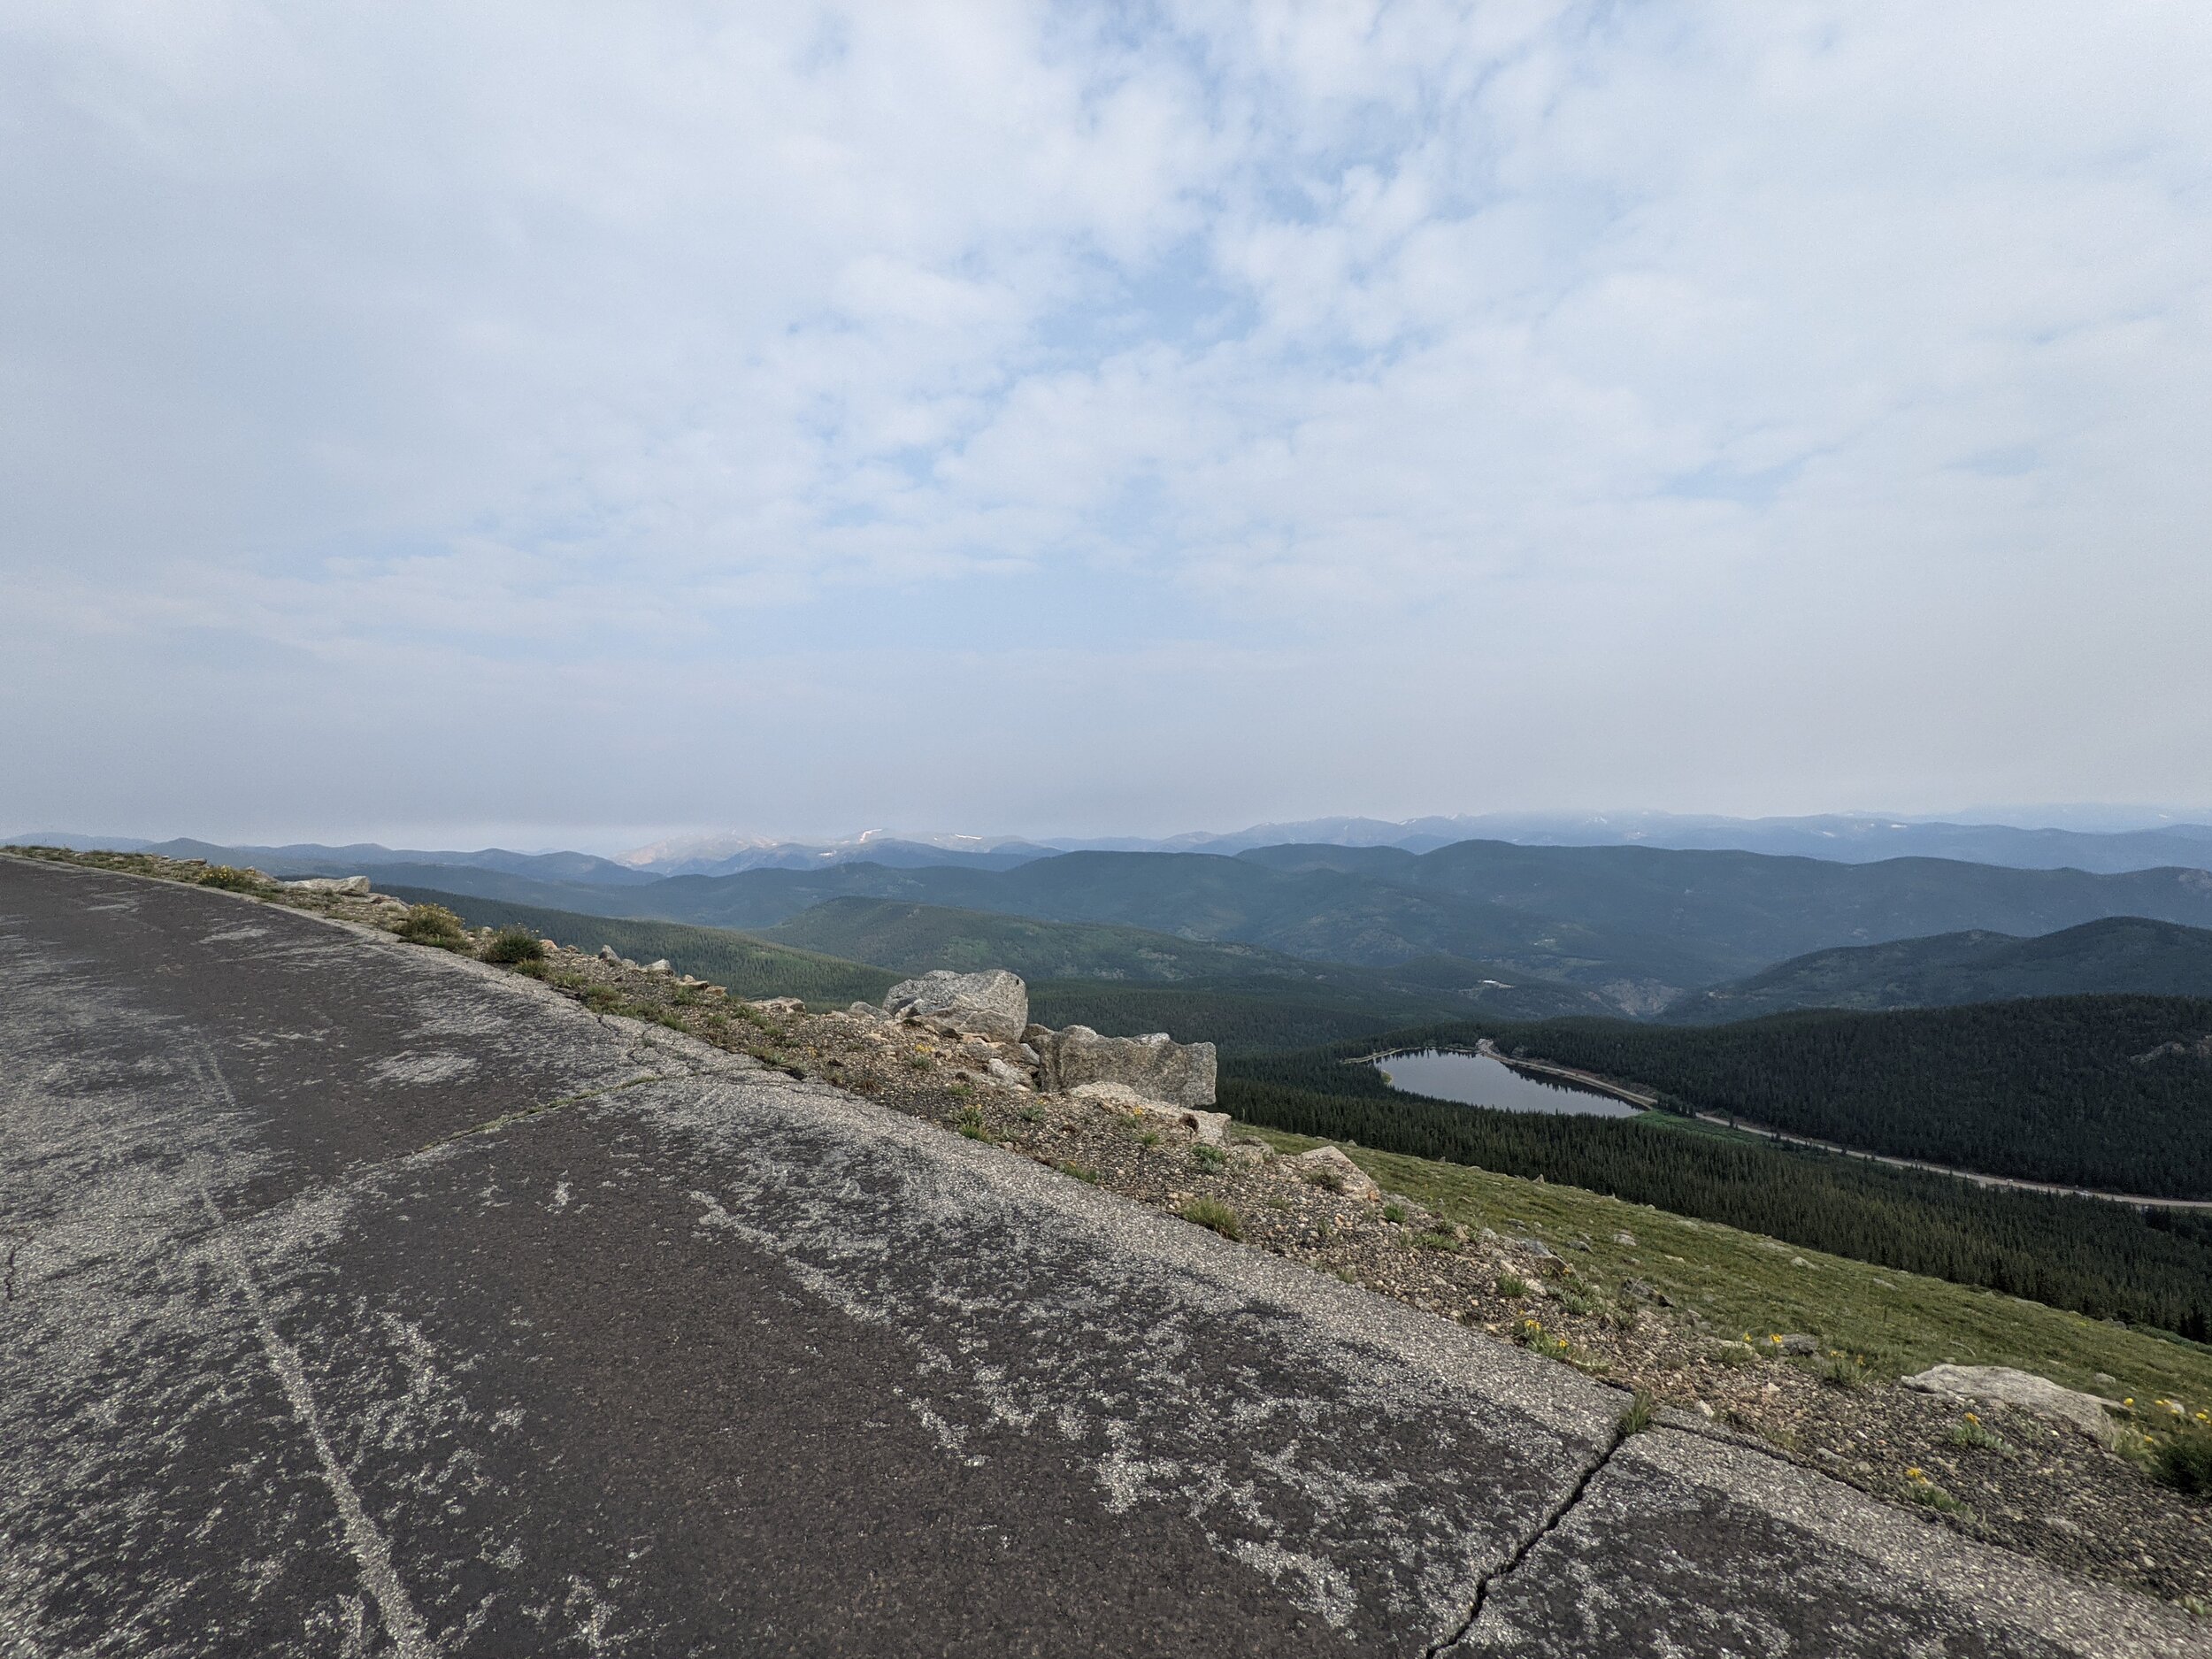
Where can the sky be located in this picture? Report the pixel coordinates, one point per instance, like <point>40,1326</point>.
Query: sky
<point>567,424</point>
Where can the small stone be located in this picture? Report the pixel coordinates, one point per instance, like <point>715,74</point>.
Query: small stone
<point>658,965</point>
<point>1625,1238</point>
<point>608,953</point>
<point>1705,1411</point>
<point>1338,1171</point>
<point>547,945</point>
<point>1800,1345</point>
<point>1005,1073</point>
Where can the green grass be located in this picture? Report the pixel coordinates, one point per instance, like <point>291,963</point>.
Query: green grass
<point>232,880</point>
<point>1924,1492</point>
<point>1897,1322</point>
<point>513,946</point>
<point>1971,1434</point>
<point>1211,1212</point>
<point>432,925</point>
<point>1638,1418</point>
<point>2185,1462</point>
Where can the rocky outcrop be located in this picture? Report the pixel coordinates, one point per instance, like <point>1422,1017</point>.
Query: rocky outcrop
<point>2021,1389</point>
<point>1180,1073</point>
<point>356,887</point>
<point>1209,1129</point>
<point>994,1003</point>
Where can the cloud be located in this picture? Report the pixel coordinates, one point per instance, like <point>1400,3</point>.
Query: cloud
<point>1764,407</point>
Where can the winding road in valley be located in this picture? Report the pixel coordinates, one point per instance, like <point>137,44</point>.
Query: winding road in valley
<point>367,1300</point>
<point>2140,1201</point>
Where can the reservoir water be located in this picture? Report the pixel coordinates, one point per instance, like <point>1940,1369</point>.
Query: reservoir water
<point>1476,1079</point>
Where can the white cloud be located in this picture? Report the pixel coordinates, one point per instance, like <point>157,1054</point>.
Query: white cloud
<point>1771,406</point>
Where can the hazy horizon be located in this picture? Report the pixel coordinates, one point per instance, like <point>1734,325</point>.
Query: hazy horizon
<point>591,423</point>
<point>2083,818</point>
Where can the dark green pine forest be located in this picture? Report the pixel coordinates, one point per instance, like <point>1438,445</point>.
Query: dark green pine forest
<point>2109,1092</point>
<point>2104,1260</point>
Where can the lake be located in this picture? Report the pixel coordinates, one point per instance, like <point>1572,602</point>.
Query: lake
<point>1476,1079</point>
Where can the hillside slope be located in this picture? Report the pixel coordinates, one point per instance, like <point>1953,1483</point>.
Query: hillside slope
<point>748,967</point>
<point>2123,954</point>
<point>2107,1092</point>
<point>2099,1258</point>
<point>915,938</point>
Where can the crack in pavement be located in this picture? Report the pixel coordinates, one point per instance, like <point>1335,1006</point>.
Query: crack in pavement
<point>16,1241</point>
<point>1550,1524</point>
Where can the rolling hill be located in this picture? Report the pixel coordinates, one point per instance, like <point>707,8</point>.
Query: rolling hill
<point>916,938</point>
<point>746,967</point>
<point>2126,954</point>
<point>1637,924</point>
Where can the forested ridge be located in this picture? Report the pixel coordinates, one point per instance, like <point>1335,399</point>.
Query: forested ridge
<point>2101,1259</point>
<point>2109,1092</point>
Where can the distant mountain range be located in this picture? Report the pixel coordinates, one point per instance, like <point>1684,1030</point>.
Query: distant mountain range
<point>310,858</point>
<point>1629,927</point>
<point>1638,925</point>
<point>2126,954</point>
<point>729,855</point>
<point>1847,837</point>
<point>1844,838</point>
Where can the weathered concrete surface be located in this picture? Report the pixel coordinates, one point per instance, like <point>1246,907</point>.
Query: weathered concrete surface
<point>1680,1545</point>
<point>360,1300</point>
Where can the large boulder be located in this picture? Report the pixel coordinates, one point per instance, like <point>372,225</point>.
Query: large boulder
<point>2021,1389</point>
<point>994,1003</point>
<point>349,887</point>
<point>1209,1129</point>
<point>1180,1073</point>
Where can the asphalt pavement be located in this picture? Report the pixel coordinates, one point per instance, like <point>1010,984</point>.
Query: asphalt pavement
<point>361,1300</point>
